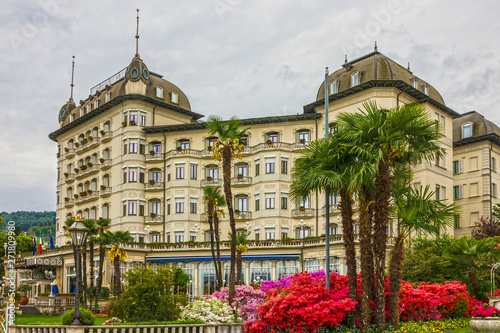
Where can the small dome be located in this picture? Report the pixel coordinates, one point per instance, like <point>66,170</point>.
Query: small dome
<point>66,109</point>
<point>376,66</point>
<point>137,70</point>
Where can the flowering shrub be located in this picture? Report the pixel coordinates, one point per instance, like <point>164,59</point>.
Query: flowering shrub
<point>209,311</point>
<point>285,282</point>
<point>304,305</point>
<point>247,297</point>
<point>496,293</point>
<point>111,321</point>
<point>485,311</point>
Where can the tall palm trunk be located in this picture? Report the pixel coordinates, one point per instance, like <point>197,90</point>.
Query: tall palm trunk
<point>217,245</point>
<point>102,252</point>
<point>365,242</point>
<point>212,240</point>
<point>91,268</point>
<point>381,215</point>
<point>226,171</point>
<point>118,284</point>
<point>395,274</point>
<point>348,235</point>
<point>84,274</point>
<point>239,266</point>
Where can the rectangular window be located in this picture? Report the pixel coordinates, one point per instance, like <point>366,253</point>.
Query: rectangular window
<point>467,131</point>
<point>193,206</point>
<point>156,176</point>
<point>269,165</point>
<point>142,148</point>
<point>132,208</point>
<point>284,232</point>
<point>493,164</point>
<point>284,201</point>
<point>257,234</point>
<point>142,119</point>
<point>494,190</point>
<point>257,202</point>
<point>179,205</point>
<point>168,237</point>
<point>133,119</point>
<point>141,209</point>
<point>132,174</point>
<point>179,172</point>
<point>272,137</point>
<point>141,177</point>
<point>269,200</point>
<point>457,220</point>
<point>438,192</point>
<point>284,166</point>
<point>457,167</point>
<point>269,233</point>
<point>168,207</point>
<point>184,144</point>
<point>473,163</point>
<point>132,146</point>
<point>179,236</point>
<point>457,192</point>
<point>194,171</point>
<point>474,189</point>
<point>257,167</point>
<point>192,236</point>
<point>333,87</point>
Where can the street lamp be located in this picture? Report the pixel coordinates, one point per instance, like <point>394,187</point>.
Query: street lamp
<point>147,230</point>
<point>196,228</point>
<point>301,226</point>
<point>78,233</point>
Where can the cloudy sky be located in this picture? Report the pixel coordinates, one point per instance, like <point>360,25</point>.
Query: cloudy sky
<point>231,57</point>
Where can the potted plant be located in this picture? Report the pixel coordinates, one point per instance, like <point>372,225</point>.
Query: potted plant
<point>66,174</point>
<point>89,191</point>
<point>124,123</point>
<point>77,144</point>
<point>91,138</point>
<point>152,182</point>
<point>66,149</point>
<point>209,148</point>
<point>102,132</point>
<point>302,141</point>
<point>76,196</point>
<point>209,178</point>
<point>84,141</point>
<point>485,318</point>
<point>302,208</point>
<point>237,211</point>
<point>103,187</point>
<point>132,122</point>
<point>66,199</point>
<point>153,214</point>
<point>151,152</point>
<point>76,170</point>
<point>269,141</point>
<point>82,194</point>
<point>90,164</point>
<point>179,148</point>
<point>240,176</point>
<point>101,160</point>
<point>83,167</point>
<point>58,154</point>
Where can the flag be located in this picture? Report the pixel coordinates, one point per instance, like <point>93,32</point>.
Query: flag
<point>40,247</point>
<point>34,244</point>
<point>51,241</point>
<point>41,239</point>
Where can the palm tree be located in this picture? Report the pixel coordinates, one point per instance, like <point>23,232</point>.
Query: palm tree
<point>225,149</point>
<point>103,240</point>
<point>213,199</point>
<point>382,139</point>
<point>92,234</point>
<point>241,247</point>
<point>117,254</point>
<point>415,210</point>
<point>327,165</point>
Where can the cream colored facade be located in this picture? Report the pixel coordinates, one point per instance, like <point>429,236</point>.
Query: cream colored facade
<point>149,161</point>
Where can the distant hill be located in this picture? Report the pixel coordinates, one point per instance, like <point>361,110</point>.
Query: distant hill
<point>32,221</point>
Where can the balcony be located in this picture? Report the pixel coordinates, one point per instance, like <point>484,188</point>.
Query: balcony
<point>211,182</point>
<point>106,192</point>
<point>300,145</point>
<point>88,170</point>
<point>303,212</point>
<point>154,158</point>
<point>241,181</point>
<point>242,215</point>
<point>70,152</point>
<point>105,163</point>
<point>106,136</point>
<point>272,146</point>
<point>70,178</point>
<point>93,143</point>
<point>155,186</point>
<point>69,202</point>
<point>157,219</point>
<point>94,195</point>
<point>183,152</point>
<point>206,153</point>
<point>334,209</point>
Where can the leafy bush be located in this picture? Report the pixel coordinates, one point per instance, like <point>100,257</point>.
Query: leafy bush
<point>148,296</point>
<point>248,300</point>
<point>209,311</point>
<point>103,294</point>
<point>86,317</point>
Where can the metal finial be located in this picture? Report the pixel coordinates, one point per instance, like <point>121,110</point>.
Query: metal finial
<point>326,71</point>
<point>137,37</point>
<point>409,66</point>
<point>345,58</point>
<point>72,78</point>
<point>375,48</point>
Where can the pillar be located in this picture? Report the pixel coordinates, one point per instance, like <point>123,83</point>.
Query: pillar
<point>274,273</point>
<point>247,272</point>
<point>196,279</point>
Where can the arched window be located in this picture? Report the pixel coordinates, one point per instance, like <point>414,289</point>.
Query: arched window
<point>334,87</point>
<point>93,213</point>
<point>105,211</point>
<point>174,97</point>
<point>272,137</point>
<point>183,144</point>
<point>159,92</point>
<point>355,78</point>
<point>107,126</point>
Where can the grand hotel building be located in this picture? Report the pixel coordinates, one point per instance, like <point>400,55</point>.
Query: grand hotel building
<point>135,152</point>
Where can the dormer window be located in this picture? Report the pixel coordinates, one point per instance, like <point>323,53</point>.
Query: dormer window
<point>159,92</point>
<point>413,82</point>
<point>466,131</point>
<point>107,98</point>
<point>334,87</point>
<point>355,78</point>
<point>425,89</point>
<point>96,103</point>
<point>72,117</point>
<point>174,98</point>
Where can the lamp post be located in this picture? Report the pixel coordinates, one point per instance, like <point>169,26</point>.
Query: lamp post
<point>78,233</point>
<point>196,228</point>
<point>301,226</point>
<point>147,230</point>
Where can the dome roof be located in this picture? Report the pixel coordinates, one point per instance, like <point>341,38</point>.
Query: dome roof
<point>481,126</point>
<point>376,66</point>
<point>66,109</point>
<point>137,70</point>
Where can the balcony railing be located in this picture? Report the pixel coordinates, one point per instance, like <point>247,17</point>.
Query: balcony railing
<point>105,192</point>
<point>211,181</point>
<point>70,178</point>
<point>241,181</point>
<point>156,157</point>
<point>109,81</point>
<point>272,146</point>
<point>156,186</point>
<point>106,164</point>
<point>303,212</point>
<point>106,136</point>
<point>69,203</point>
<point>89,170</point>
<point>334,208</point>
<point>70,153</point>
<point>154,219</point>
<point>87,197</point>
<point>206,153</point>
<point>300,144</point>
<point>243,215</point>
<point>183,152</point>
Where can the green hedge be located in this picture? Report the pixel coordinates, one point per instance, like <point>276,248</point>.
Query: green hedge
<point>86,317</point>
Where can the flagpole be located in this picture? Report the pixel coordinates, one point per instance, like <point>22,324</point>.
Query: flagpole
<point>327,194</point>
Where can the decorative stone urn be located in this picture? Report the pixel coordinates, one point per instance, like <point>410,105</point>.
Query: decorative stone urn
<point>485,324</point>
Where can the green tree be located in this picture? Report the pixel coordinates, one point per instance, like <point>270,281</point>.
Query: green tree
<point>416,210</point>
<point>225,149</point>
<point>117,255</point>
<point>326,164</point>
<point>383,139</point>
<point>241,247</point>
<point>213,199</point>
<point>103,240</point>
<point>141,302</point>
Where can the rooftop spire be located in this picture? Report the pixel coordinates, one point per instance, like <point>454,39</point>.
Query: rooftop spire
<point>72,77</point>
<point>137,37</point>
<point>409,70</point>
<point>375,48</point>
<point>345,58</point>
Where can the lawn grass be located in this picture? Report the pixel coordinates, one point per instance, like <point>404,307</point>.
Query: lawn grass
<point>462,330</point>
<point>48,320</point>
